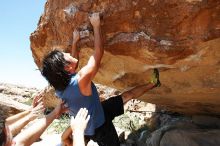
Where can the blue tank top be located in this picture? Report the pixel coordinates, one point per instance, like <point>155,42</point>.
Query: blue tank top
<point>75,100</point>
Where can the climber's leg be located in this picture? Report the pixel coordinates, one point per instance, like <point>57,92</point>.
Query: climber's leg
<point>141,89</point>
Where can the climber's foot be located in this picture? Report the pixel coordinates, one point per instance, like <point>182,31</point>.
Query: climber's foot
<point>155,78</point>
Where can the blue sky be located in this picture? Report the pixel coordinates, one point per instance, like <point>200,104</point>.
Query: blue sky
<point>18,19</point>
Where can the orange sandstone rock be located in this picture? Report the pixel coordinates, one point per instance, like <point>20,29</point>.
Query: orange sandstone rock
<point>180,37</point>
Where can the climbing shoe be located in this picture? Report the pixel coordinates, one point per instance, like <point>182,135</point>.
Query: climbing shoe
<point>155,78</point>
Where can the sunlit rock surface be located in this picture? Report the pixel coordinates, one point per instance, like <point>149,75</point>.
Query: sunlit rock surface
<point>180,37</point>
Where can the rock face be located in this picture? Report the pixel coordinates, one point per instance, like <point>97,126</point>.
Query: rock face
<point>180,37</point>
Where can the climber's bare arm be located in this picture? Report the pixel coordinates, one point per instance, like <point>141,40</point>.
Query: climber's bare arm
<point>88,72</point>
<point>74,52</point>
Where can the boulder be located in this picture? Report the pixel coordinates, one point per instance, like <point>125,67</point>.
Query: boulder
<point>180,37</point>
<point>183,134</point>
<point>191,137</point>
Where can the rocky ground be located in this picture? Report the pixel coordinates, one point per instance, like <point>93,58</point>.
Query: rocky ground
<point>143,124</point>
<point>18,93</point>
<point>16,98</point>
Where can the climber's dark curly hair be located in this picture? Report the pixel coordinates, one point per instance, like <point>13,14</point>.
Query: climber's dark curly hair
<point>53,70</point>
